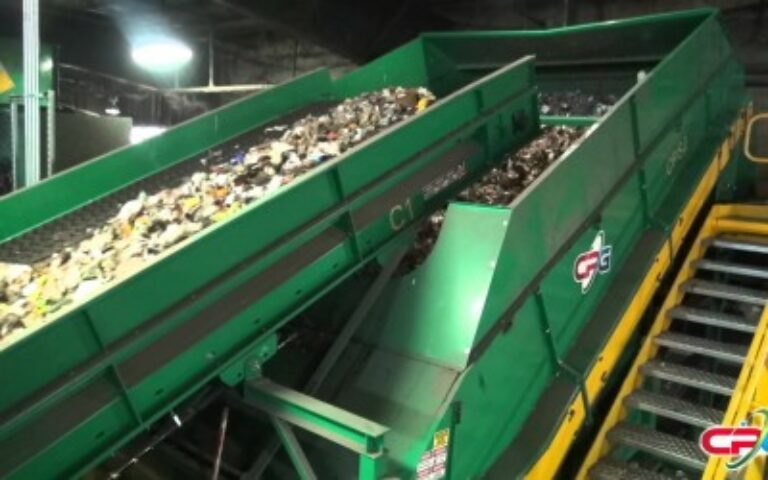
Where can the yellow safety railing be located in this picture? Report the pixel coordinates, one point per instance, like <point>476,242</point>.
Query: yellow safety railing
<point>748,138</point>
<point>552,457</point>
<point>618,412</point>
<point>751,389</point>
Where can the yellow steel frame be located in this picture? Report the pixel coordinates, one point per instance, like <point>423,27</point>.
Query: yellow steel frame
<point>617,413</point>
<point>720,219</point>
<point>751,389</point>
<point>550,461</point>
<point>752,385</point>
<point>747,140</point>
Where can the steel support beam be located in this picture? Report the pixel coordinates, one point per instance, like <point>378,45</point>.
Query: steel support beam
<point>294,450</point>
<point>50,130</point>
<point>334,352</point>
<point>31,92</point>
<point>344,428</point>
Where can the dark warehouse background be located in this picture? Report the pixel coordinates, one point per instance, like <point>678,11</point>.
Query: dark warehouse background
<point>256,44</point>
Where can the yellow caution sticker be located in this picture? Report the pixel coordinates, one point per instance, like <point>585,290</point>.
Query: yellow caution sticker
<point>6,83</point>
<point>442,437</point>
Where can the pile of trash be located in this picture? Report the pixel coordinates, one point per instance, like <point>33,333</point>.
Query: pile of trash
<point>575,103</point>
<point>150,224</point>
<point>500,186</point>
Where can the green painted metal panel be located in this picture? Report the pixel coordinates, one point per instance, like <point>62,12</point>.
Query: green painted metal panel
<point>558,206</point>
<point>12,59</point>
<point>469,331</point>
<point>405,66</point>
<point>29,208</point>
<point>455,308</point>
<point>626,41</point>
<point>203,305</point>
<point>472,308</point>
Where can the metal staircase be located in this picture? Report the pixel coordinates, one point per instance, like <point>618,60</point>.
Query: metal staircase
<point>702,362</point>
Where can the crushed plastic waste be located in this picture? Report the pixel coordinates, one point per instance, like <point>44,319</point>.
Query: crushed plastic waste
<point>150,224</point>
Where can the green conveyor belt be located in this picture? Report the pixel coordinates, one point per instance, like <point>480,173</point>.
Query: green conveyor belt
<point>113,363</point>
<point>475,363</point>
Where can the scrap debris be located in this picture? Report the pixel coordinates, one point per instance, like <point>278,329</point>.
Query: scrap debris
<point>148,225</point>
<point>575,103</point>
<point>501,185</point>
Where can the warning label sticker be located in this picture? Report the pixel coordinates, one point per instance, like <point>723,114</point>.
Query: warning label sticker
<point>441,438</point>
<point>432,465</point>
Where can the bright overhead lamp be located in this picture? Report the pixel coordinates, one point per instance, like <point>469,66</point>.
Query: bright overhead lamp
<point>112,108</point>
<point>163,54</point>
<point>46,65</point>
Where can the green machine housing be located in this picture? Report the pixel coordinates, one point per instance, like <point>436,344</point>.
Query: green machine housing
<point>11,99</point>
<point>454,361</point>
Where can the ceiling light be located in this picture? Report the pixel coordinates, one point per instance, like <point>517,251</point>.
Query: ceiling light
<point>139,133</point>
<point>112,109</point>
<point>165,54</point>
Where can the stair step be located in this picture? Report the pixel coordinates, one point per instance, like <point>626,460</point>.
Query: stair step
<point>611,469</point>
<point>674,408</point>
<point>662,445</point>
<point>727,352</point>
<point>740,245</point>
<point>732,268</point>
<point>690,377</point>
<point>714,319</point>
<point>726,292</point>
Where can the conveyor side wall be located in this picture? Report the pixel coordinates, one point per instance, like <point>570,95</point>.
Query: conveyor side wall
<point>120,361</point>
<point>510,340</point>
<point>635,173</point>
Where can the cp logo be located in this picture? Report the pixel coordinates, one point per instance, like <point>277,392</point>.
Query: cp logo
<point>596,260</point>
<point>729,441</point>
<point>741,444</point>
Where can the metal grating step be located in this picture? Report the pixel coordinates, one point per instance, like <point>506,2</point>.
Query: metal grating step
<point>740,245</point>
<point>726,292</point>
<point>714,319</point>
<point>611,469</point>
<point>731,268</point>
<point>662,445</point>
<point>690,377</point>
<point>727,352</point>
<point>674,408</point>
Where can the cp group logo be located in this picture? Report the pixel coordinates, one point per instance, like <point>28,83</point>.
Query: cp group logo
<point>596,260</point>
<point>740,444</point>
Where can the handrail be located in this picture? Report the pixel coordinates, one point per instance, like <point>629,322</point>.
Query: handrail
<point>748,138</point>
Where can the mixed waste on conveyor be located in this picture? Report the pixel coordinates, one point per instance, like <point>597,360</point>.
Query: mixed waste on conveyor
<point>500,186</point>
<point>504,183</point>
<point>150,224</point>
<point>575,103</point>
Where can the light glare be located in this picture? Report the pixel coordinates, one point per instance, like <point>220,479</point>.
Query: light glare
<point>140,133</point>
<point>167,54</point>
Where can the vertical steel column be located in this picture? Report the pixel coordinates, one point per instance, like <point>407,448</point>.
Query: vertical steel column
<point>294,450</point>
<point>50,147</point>
<point>31,92</point>
<point>15,142</point>
<point>211,60</point>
